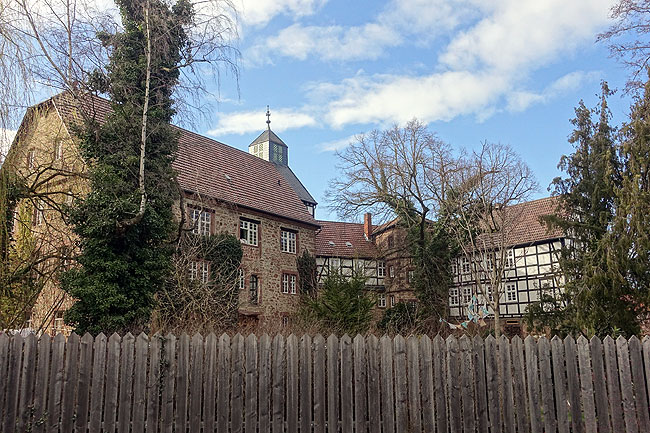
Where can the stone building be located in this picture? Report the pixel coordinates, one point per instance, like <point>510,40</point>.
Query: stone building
<point>254,196</point>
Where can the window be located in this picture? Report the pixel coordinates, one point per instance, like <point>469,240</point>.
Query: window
<point>453,296</point>
<point>335,263</point>
<point>288,242</point>
<point>258,150</point>
<point>467,295</point>
<point>510,259</point>
<point>31,162</point>
<point>381,269</point>
<point>360,267</point>
<point>392,300</point>
<point>194,270</point>
<point>545,283</point>
<point>58,150</point>
<point>242,280</point>
<point>201,220</point>
<point>490,296</point>
<point>381,300</point>
<point>254,293</point>
<point>289,283</point>
<point>410,276</point>
<point>489,262</point>
<point>454,267</point>
<point>391,241</point>
<point>511,292</point>
<point>392,271</point>
<point>38,217</point>
<point>248,232</point>
<point>465,263</point>
<point>285,321</point>
<point>205,272</point>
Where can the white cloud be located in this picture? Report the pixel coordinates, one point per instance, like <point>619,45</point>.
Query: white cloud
<point>397,23</point>
<point>243,122</point>
<point>481,68</point>
<point>260,12</point>
<point>333,146</point>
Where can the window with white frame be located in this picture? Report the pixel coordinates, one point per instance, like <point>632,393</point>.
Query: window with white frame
<point>248,232</point>
<point>381,268</point>
<point>511,292</point>
<point>194,270</point>
<point>205,272</point>
<point>510,259</point>
<point>258,150</point>
<point>465,264</point>
<point>454,267</point>
<point>288,242</point>
<point>392,300</point>
<point>489,261</point>
<point>31,161</point>
<point>201,221</point>
<point>391,271</point>
<point>285,321</point>
<point>381,300</point>
<point>467,295</point>
<point>38,215</point>
<point>453,296</point>
<point>242,280</point>
<point>490,295</point>
<point>289,283</point>
<point>335,264</point>
<point>411,276</point>
<point>58,150</point>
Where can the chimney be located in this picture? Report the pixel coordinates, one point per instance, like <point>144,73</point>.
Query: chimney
<point>367,225</point>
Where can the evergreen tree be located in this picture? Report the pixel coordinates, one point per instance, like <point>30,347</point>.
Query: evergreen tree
<point>593,302</point>
<point>125,222</point>
<point>629,246</point>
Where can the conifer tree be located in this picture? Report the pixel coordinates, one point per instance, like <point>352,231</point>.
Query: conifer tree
<point>629,246</point>
<point>125,223</point>
<point>593,302</point>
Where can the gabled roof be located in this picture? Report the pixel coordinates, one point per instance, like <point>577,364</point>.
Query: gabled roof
<point>295,183</point>
<point>341,239</point>
<point>268,135</point>
<point>209,167</point>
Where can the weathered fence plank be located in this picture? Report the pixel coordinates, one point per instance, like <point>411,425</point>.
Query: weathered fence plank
<point>237,381</point>
<point>305,385</point>
<point>264,384</point>
<point>440,382</point>
<point>586,385</point>
<point>13,374</point>
<point>360,385</point>
<point>196,382</point>
<point>467,384</point>
<point>627,391</point>
<point>613,385</point>
<point>70,372</point>
<point>140,383</point>
<point>112,382</point>
<point>223,384</point>
<point>168,369</point>
<point>292,383</point>
<point>347,397</point>
<point>453,385</point>
<point>97,384</point>
<point>182,383</point>
<point>27,375</point>
<point>210,383</point>
<point>154,382</point>
<point>559,381</point>
<point>519,379</point>
<point>250,402</point>
<point>492,382</point>
<point>83,384</point>
<point>574,385</point>
<point>333,384</point>
<point>426,379</point>
<point>374,377</point>
<point>532,379</point>
<point>56,383</point>
<point>279,390</point>
<point>640,394</point>
<point>546,382</point>
<point>480,387</point>
<point>320,390</point>
<point>401,390</point>
<point>126,383</point>
<point>4,354</point>
<point>505,377</point>
<point>600,385</point>
<point>387,390</point>
<point>413,376</point>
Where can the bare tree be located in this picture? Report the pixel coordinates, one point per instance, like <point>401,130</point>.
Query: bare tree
<point>628,38</point>
<point>485,217</point>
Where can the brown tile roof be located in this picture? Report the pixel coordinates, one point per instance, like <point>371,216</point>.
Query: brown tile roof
<point>333,239</point>
<point>209,167</point>
<point>527,227</point>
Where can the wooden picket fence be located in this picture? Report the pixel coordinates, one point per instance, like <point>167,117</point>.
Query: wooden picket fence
<point>365,384</point>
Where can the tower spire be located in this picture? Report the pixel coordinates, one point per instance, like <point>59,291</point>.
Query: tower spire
<point>268,118</point>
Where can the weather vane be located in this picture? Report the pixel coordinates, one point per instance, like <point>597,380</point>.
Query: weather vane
<point>268,117</point>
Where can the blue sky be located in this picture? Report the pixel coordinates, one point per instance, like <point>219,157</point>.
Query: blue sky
<point>508,71</point>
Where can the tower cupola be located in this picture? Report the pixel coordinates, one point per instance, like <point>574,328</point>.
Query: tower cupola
<point>269,146</point>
